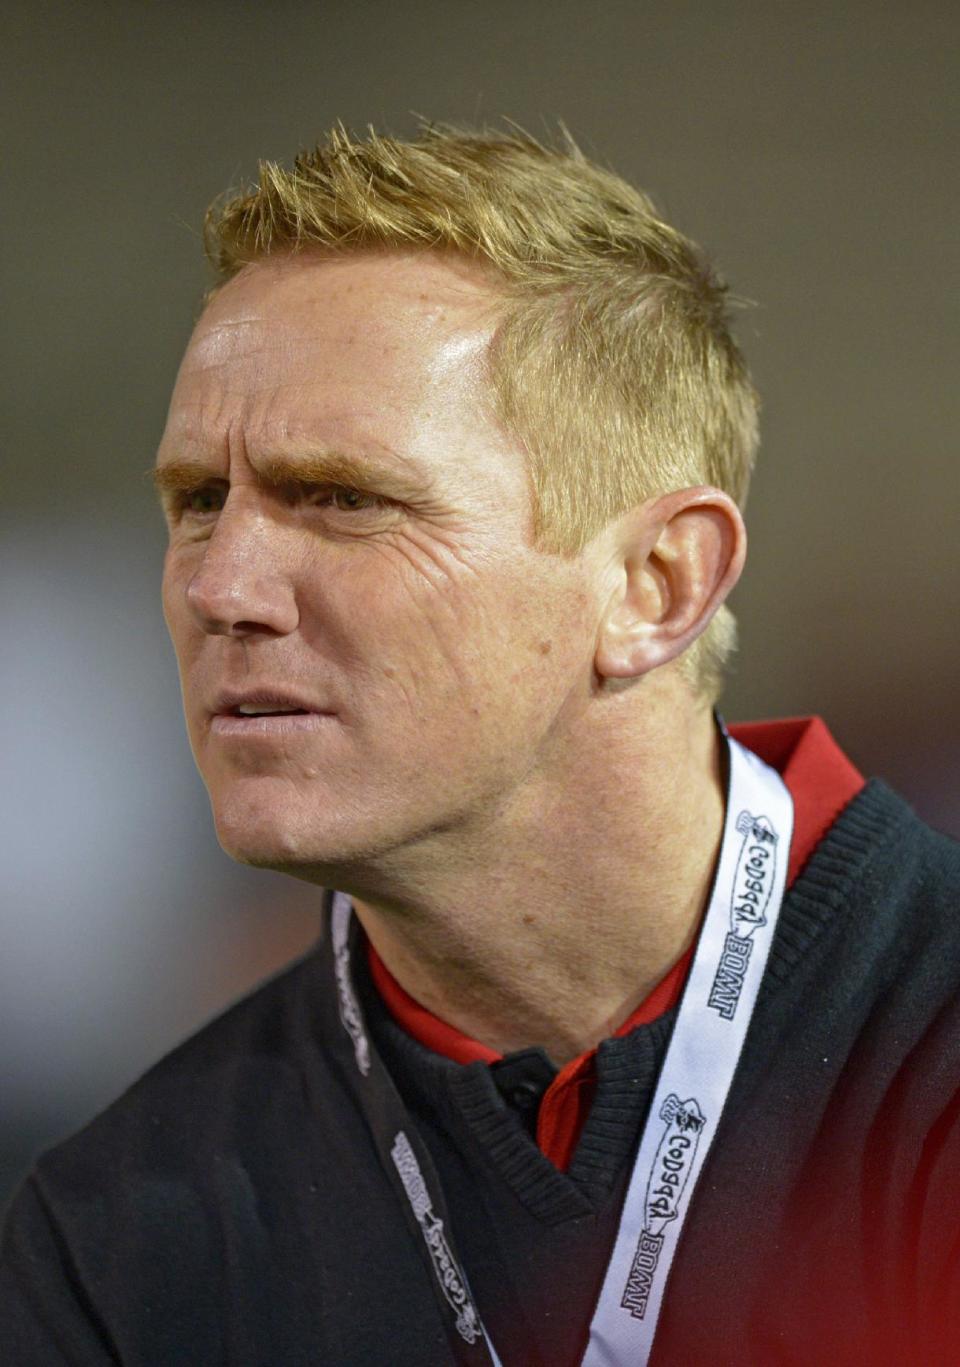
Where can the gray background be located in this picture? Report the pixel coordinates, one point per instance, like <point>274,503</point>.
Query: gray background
<point>809,147</point>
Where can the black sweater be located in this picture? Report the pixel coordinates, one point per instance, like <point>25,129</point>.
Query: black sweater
<point>229,1208</point>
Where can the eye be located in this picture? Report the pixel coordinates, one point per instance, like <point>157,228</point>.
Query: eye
<point>190,503</point>
<point>207,499</point>
<point>347,500</point>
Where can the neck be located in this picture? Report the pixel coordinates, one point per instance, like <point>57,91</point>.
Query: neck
<point>551,925</point>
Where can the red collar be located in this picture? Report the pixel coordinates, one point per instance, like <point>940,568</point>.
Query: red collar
<point>821,781</point>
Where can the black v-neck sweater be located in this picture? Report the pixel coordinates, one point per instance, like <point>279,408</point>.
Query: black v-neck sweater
<point>230,1207</point>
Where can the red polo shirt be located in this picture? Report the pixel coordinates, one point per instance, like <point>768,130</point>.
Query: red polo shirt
<point>821,781</point>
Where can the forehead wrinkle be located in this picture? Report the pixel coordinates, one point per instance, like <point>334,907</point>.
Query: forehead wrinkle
<point>232,421</point>
<point>228,339</point>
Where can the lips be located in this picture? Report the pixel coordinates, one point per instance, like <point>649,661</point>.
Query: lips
<point>280,700</point>
<point>269,729</point>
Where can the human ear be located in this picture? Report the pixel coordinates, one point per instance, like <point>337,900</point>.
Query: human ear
<point>678,557</point>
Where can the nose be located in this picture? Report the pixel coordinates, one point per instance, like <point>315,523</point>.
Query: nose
<point>240,587</point>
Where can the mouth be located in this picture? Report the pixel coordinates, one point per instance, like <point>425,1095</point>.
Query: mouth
<point>268,712</point>
<point>263,708</point>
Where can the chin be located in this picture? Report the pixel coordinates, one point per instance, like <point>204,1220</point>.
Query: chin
<point>265,834</point>
<point>287,837</point>
<point>259,849</point>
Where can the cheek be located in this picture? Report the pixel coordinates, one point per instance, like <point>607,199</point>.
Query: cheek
<point>410,614</point>
<point>175,613</point>
<point>494,653</point>
<point>166,601</point>
<point>406,664</point>
<point>168,605</point>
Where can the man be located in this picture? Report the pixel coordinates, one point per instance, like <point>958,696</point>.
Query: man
<point>453,476</point>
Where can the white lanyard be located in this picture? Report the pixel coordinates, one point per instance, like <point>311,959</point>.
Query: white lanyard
<point>694,1082</point>
<point>701,1059</point>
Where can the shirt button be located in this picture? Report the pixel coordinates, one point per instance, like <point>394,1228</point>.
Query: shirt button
<point>524,1094</point>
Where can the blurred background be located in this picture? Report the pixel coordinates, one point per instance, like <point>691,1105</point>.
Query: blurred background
<point>811,148</point>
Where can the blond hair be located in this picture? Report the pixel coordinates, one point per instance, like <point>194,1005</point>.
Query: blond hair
<point>613,364</point>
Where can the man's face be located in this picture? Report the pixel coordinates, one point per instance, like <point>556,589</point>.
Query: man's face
<point>448,659</point>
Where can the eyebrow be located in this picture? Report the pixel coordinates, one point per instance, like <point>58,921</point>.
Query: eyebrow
<point>322,467</point>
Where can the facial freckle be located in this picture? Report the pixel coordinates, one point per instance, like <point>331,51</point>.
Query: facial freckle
<point>546,647</point>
